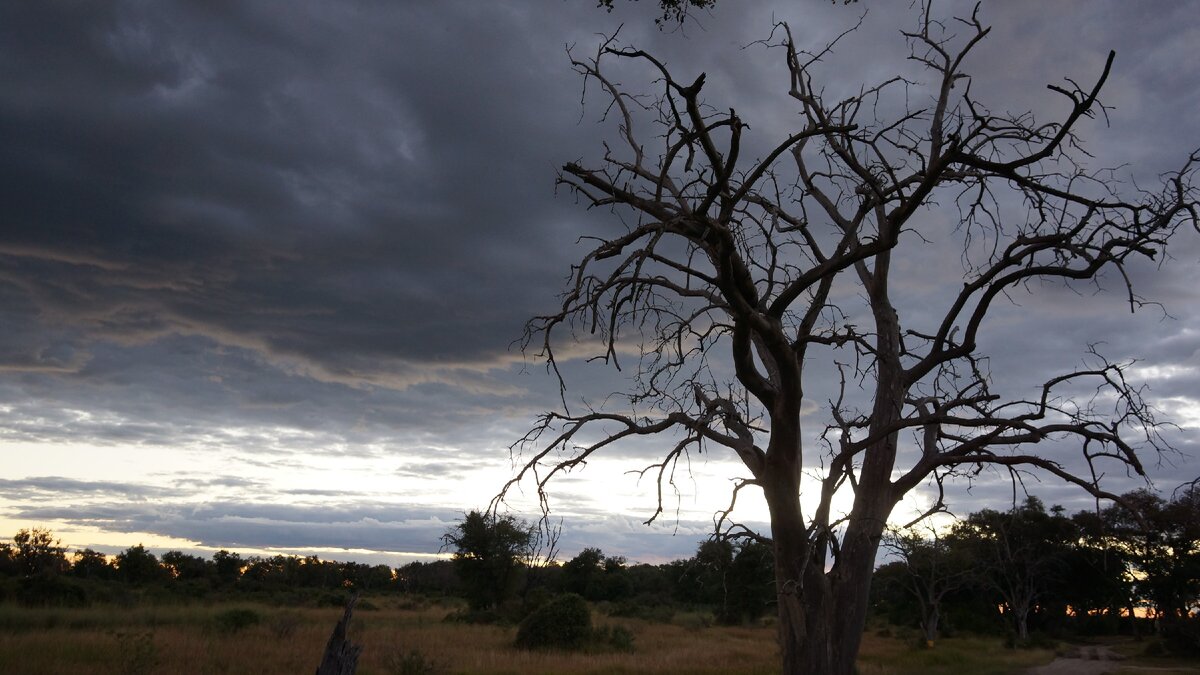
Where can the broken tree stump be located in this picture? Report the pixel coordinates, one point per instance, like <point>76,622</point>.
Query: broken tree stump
<point>341,655</point>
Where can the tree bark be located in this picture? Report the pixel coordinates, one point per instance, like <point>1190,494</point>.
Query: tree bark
<point>341,655</point>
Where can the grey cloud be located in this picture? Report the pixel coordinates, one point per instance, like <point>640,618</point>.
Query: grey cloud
<point>274,229</point>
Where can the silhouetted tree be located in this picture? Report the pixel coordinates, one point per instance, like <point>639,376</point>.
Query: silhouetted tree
<point>742,277</point>
<point>1020,554</point>
<point>228,566</point>
<point>136,565</point>
<point>490,552</point>
<point>89,564</point>
<point>1163,542</point>
<point>184,567</point>
<point>37,552</point>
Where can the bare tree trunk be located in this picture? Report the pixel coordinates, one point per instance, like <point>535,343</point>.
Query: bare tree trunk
<point>341,655</point>
<point>1022,618</point>
<point>929,625</point>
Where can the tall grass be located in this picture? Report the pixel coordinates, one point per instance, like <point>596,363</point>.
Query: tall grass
<point>188,640</point>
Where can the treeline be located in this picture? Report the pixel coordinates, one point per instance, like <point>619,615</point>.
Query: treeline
<point>496,566</point>
<point>1130,567</point>
<point>37,570</point>
<point>1027,571</point>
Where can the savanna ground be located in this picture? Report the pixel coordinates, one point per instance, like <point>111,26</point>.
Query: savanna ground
<point>402,638</point>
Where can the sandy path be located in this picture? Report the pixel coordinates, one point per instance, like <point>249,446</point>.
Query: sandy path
<point>1083,661</point>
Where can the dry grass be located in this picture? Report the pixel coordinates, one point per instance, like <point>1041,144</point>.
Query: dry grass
<point>188,641</point>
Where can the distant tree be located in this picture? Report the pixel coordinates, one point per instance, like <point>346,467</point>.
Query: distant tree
<point>596,577</point>
<point>9,567</point>
<point>136,565</point>
<point>184,567</point>
<point>1162,539</point>
<point>436,577</point>
<point>317,573</point>
<point>228,566</point>
<point>38,553</point>
<point>741,275</point>
<point>490,553</point>
<point>749,583</point>
<point>1098,581</point>
<point>1020,554</point>
<point>89,564</point>
<point>932,569</point>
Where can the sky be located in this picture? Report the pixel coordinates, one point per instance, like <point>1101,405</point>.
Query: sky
<point>263,264</point>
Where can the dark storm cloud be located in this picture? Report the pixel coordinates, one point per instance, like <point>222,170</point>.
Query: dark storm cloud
<point>336,189</point>
<point>277,228</point>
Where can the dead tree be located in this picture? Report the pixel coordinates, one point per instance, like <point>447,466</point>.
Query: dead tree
<point>341,655</point>
<point>740,284</point>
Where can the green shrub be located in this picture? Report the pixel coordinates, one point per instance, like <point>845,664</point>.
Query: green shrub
<point>562,623</point>
<point>234,620</point>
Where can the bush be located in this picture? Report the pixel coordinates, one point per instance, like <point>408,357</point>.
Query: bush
<point>234,620</point>
<point>615,638</point>
<point>647,609</point>
<point>562,623</point>
<point>412,662</point>
<point>50,591</point>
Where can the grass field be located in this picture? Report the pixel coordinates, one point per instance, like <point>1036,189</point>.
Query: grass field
<point>199,640</point>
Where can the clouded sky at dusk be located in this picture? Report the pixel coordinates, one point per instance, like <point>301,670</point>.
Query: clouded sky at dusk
<point>262,264</point>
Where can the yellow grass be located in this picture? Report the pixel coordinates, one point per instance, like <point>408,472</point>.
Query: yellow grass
<point>187,641</point>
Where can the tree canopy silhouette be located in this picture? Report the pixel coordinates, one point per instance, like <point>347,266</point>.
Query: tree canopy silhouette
<point>738,283</point>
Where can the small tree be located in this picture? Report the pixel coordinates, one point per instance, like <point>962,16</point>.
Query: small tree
<point>89,564</point>
<point>136,565</point>
<point>490,552</point>
<point>740,279</point>
<point>932,569</point>
<point>38,553</point>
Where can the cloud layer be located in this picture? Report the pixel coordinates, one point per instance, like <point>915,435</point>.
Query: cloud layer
<point>285,232</point>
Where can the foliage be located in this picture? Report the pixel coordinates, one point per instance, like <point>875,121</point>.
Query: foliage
<point>490,552</point>
<point>136,565</point>
<point>37,552</point>
<point>563,623</point>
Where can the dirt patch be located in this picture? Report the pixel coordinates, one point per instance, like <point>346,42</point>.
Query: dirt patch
<point>1088,660</point>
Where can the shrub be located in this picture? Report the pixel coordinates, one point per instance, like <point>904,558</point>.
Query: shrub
<point>615,638</point>
<point>51,591</point>
<point>412,662</point>
<point>562,623</point>
<point>234,620</point>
